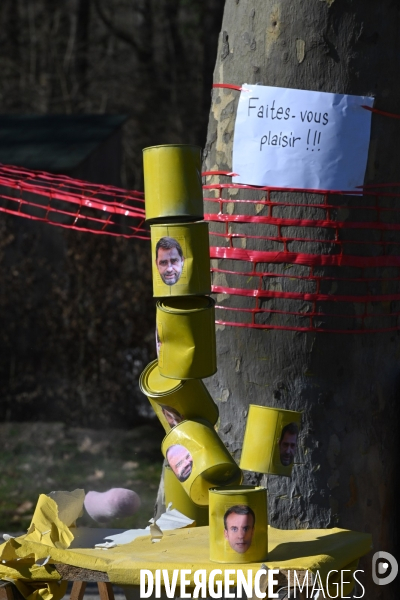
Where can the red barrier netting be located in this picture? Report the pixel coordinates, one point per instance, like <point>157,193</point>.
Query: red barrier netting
<point>71,203</point>
<point>301,274</point>
<point>305,274</point>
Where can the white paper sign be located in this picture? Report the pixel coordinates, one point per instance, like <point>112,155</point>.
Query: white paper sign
<point>301,139</point>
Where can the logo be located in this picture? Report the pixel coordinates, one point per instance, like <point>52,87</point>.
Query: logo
<point>384,568</point>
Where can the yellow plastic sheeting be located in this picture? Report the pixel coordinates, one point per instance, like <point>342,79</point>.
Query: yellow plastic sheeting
<point>28,571</point>
<point>47,527</point>
<point>35,582</point>
<point>311,549</point>
<point>42,591</point>
<point>46,531</point>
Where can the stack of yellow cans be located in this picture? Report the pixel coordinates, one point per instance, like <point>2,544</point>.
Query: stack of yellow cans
<point>185,330</point>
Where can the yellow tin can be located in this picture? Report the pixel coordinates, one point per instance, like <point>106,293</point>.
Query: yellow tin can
<point>186,334</point>
<point>238,524</point>
<point>199,459</point>
<point>174,400</point>
<point>270,440</point>
<point>172,183</point>
<point>175,494</point>
<point>181,259</point>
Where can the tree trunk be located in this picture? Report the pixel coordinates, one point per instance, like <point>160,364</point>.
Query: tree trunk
<point>347,385</point>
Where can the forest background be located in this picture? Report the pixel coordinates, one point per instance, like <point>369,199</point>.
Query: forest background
<point>77,314</point>
<point>76,310</point>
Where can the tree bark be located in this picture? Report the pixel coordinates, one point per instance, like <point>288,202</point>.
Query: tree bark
<point>347,385</point>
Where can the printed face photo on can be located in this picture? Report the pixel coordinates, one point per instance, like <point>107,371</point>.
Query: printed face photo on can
<point>169,260</point>
<point>239,522</point>
<point>172,416</point>
<point>288,443</point>
<point>158,343</point>
<point>180,460</point>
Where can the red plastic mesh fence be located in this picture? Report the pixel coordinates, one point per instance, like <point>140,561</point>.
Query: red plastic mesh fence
<point>277,269</point>
<point>72,204</point>
<point>343,260</point>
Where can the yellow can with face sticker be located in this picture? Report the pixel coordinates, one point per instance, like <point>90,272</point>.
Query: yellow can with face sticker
<point>174,400</point>
<point>172,183</point>
<point>238,524</point>
<point>186,334</point>
<point>180,259</point>
<point>270,443</point>
<point>178,498</point>
<point>199,459</point>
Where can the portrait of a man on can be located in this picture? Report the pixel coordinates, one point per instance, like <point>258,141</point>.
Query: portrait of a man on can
<point>288,443</point>
<point>180,460</point>
<point>169,260</point>
<point>239,522</point>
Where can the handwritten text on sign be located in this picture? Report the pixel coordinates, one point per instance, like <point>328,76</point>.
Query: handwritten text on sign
<point>301,139</point>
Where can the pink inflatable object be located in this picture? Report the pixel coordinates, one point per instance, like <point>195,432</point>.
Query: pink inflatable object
<point>113,504</point>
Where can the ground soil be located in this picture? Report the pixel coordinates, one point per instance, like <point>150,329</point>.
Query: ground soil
<point>41,457</point>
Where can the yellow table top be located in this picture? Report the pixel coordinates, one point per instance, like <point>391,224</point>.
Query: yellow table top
<point>305,549</point>
<point>29,558</point>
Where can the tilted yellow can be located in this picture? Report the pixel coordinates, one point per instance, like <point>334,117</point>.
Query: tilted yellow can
<point>199,459</point>
<point>174,400</point>
<point>181,259</point>
<point>176,495</point>
<point>238,524</point>
<point>186,334</point>
<point>270,440</point>
<point>172,183</point>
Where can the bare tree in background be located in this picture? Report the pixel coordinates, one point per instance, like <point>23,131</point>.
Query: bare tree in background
<point>150,59</point>
<point>76,310</point>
